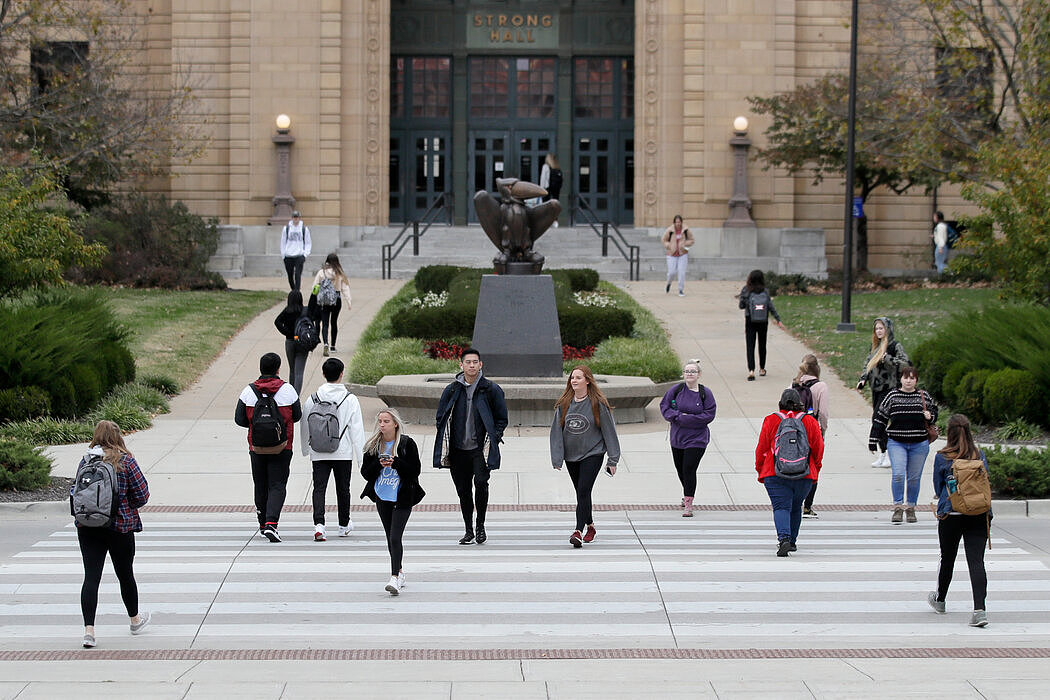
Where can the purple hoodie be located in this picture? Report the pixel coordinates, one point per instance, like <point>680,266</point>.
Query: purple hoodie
<point>689,414</point>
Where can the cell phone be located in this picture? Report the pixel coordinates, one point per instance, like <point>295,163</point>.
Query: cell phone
<point>608,470</point>
<point>384,457</point>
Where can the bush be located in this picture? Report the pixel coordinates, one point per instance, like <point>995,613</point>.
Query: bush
<point>161,382</point>
<point>48,431</point>
<point>946,388</point>
<point>582,326</point>
<point>152,244</point>
<point>22,467</point>
<point>20,403</point>
<point>1010,394</point>
<point>436,278</point>
<point>87,387</point>
<point>434,322</point>
<point>147,398</point>
<point>63,401</point>
<point>1022,473</point>
<point>969,394</point>
<point>577,279</point>
<point>120,364</point>
<point>1018,429</point>
<point>124,410</point>
<point>787,284</point>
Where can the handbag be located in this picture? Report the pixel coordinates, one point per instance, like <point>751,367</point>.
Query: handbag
<point>932,433</point>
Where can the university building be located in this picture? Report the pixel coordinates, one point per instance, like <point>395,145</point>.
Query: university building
<point>394,102</point>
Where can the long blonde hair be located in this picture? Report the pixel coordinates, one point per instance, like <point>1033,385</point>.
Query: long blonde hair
<point>878,347</point>
<point>809,366</point>
<point>107,436</point>
<point>593,393</point>
<point>375,442</point>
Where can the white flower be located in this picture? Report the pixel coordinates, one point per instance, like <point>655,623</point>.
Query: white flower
<point>430,300</point>
<point>599,299</point>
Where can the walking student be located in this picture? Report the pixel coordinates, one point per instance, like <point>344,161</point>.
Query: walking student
<point>582,433</point>
<point>333,436</point>
<point>788,459</point>
<point>814,394</point>
<point>757,304</point>
<point>471,415</point>
<point>391,470</point>
<point>298,325</point>
<point>677,240</point>
<point>117,537</point>
<point>332,289</point>
<point>689,407</point>
<point>882,371</point>
<point>295,248</point>
<point>953,468</point>
<point>269,408</point>
<point>900,421</point>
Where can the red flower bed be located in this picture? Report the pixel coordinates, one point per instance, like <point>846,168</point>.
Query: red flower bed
<point>440,350</point>
<point>568,352</point>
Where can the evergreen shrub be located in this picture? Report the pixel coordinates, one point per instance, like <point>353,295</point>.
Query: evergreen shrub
<point>22,467</point>
<point>1010,394</point>
<point>436,278</point>
<point>582,326</point>
<point>1022,473</point>
<point>969,394</point>
<point>22,402</point>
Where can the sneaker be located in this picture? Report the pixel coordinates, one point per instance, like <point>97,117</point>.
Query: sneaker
<point>937,605</point>
<point>333,349</point>
<point>783,548</point>
<point>393,586</point>
<point>590,534</point>
<point>319,535</point>
<point>681,293</point>
<point>885,460</point>
<point>325,351</point>
<point>793,548</point>
<point>898,516</point>
<point>467,538</point>
<point>270,533</point>
<point>687,507</point>
<point>401,580</point>
<point>809,513</point>
<point>576,539</point>
<point>878,461</point>
<point>750,376</point>
<point>345,530</point>
<point>762,372</point>
<point>89,641</point>
<point>909,515</point>
<point>667,289</point>
<point>144,618</point>
<point>979,619</point>
<point>482,536</point>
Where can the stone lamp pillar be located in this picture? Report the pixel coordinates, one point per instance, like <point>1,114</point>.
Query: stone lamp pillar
<point>283,201</point>
<point>740,202</point>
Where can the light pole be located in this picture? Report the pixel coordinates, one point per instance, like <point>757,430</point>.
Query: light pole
<point>845,324</point>
<point>739,203</point>
<point>283,201</point>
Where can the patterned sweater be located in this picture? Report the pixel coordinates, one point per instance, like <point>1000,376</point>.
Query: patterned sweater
<point>899,417</point>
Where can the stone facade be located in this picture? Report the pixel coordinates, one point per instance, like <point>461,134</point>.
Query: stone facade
<point>326,63</point>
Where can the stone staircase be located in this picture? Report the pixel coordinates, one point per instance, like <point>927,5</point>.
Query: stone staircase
<point>719,254</point>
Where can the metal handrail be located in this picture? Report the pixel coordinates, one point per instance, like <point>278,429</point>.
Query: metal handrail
<point>442,201</point>
<point>631,253</point>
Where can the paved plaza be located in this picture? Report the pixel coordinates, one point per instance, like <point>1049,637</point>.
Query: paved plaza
<point>657,606</point>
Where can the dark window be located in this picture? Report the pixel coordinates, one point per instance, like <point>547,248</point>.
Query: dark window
<point>627,88</point>
<point>397,88</point>
<point>54,60</point>
<point>603,88</point>
<point>536,81</point>
<point>489,92</point>
<point>431,90</point>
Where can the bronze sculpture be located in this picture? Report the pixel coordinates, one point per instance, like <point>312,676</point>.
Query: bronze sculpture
<point>513,226</point>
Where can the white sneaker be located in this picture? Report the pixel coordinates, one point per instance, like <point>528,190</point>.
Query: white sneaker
<point>319,534</point>
<point>345,530</point>
<point>878,461</point>
<point>394,586</point>
<point>401,580</point>
<point>885,460</point>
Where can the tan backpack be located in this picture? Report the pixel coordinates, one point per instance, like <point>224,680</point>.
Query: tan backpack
<point>973,491</point>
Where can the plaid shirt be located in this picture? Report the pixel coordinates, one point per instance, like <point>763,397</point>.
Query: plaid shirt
<point>134,492</point>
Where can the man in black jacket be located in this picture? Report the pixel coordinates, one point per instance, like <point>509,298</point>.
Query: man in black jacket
<point>472,412</point>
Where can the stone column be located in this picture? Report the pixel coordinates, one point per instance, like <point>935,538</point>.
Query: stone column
<point>740,202</point>
<point>283,202</point>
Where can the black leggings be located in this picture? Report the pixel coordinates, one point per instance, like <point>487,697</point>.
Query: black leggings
<point>296,364</point>
<point>583,474</point>
<point>341,469</point>
<point>469,470</point>
<point>394,518</point>
<point>95,542</point>
<point>294,268</point>
<point>876,399</point>
<point>752,332</point>
<point>973,531</point>
<point>330,313</point>
<point>686,462</point>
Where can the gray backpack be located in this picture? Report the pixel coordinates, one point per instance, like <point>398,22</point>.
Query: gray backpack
<point>95,499</point>
<point>758,306</point>
<point>791,448</point>
<point>323,425</point>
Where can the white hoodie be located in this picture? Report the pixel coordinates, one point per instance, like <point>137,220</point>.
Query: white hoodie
<point>351,446</point>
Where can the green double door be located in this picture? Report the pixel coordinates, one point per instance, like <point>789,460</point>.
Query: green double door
<point>493,154</point>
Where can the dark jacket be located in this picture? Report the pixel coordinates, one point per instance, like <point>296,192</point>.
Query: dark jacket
<point>942,467</point>
<point>406,464</point>
<point>745,296</point>
<point>490,419</point>
<point>886,375</point>
<point>689,419</point>
<point>286,320</point>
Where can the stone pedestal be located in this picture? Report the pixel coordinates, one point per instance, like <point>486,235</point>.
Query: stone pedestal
<point>516,327</point>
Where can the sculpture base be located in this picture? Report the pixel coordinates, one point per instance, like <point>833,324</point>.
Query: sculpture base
<point>516,326</point>
<point>517,268</point>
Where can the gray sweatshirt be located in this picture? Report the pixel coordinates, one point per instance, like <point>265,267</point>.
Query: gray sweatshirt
<point>581,438</point>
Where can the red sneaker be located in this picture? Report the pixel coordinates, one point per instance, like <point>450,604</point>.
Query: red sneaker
<point>576,539</point>
<point>591,532</point>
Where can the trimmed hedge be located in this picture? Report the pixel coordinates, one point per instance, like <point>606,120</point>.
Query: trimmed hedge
<point>1011,394</point>
<point>22,467</point>
<point>1022,473</point>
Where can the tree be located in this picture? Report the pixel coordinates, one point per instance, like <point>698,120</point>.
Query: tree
<point>37,244</point>
<point>84,103</point>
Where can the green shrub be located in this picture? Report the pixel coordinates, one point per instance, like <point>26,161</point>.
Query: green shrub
<point>1010,394</point>
<point>48,431</point>
<point>434,322</point>
<point>22,467</point>
<point>583,326</point>
<point>578,279</point>
<point>1020,473</point>
<point>145,397</point>
<point>20,403</point>
<point>120,364</point>
<point>1017,429</point>
<point>786,284</point>
<point>61,392</point>
<point>946,394</point>
<point>87,387</point>
<point>932,363</point>
<point>436,278</point>
<point>969,394</point>
<point>161,382</point>
<point>123,410</point>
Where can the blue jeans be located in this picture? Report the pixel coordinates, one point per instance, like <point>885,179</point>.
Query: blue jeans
<point>940,258</point>
<point>906,461</point>
<point>786,496</point>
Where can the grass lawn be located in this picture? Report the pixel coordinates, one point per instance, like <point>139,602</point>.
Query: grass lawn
<point>915,313</point>
<point>179,334</point>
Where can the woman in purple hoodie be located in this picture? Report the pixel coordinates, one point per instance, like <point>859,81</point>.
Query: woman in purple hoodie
<point>689,407</point>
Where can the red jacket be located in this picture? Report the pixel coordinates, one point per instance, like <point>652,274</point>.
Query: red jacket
<point>287,404</point>
<point>764,450</point>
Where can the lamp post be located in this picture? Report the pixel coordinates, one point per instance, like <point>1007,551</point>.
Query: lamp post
<point>739,203</point>
<point>283,201</point>
<point>846,324</point>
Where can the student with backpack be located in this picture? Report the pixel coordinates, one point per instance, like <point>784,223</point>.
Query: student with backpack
<point>333,436</point>
<point>814,394</point>
<point>964,512</point>
<point>757,304</point>
<point>108,491</point>
<point>331,289</point>
<point>689,407</point>
<point>298,324</point>
<point>295,249</point>
<point>788,459</point>
<point>269,408</point>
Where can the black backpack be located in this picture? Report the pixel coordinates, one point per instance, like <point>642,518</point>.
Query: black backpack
<point>681,387</point>
<point>806,393</point>
<point>306,336</point>
<point>758,306</point>
<point>269,433</point>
